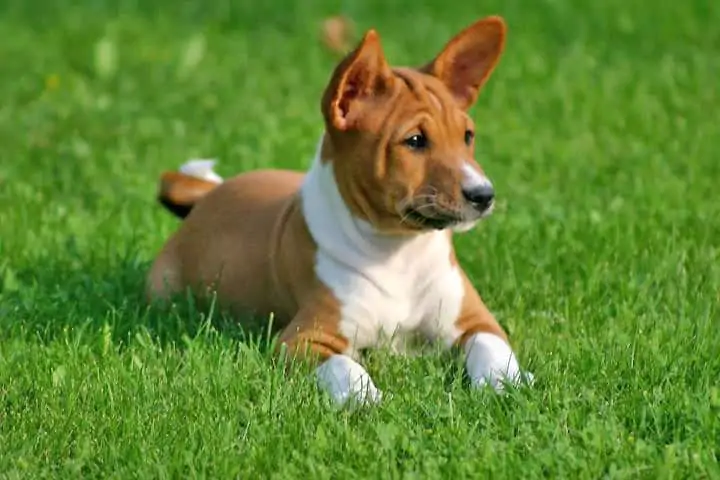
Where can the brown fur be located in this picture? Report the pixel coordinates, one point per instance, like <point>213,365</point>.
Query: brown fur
<point>247,238</point>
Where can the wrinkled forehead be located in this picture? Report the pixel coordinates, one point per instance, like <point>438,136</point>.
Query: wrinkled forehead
<point>429,90</point>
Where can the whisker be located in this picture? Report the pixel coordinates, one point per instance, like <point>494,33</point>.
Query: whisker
<point>417,198</point>
<point>408,201</point>
<point>424,204</point>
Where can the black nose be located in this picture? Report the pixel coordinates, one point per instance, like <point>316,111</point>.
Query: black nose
<point>481,196</point>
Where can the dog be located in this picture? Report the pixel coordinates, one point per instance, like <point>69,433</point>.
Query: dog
<point>358,250</point>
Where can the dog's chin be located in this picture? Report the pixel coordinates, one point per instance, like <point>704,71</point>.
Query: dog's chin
<point>466,226</point>
<point>437,220</point>
<point>460,221</point>
<point>472,218</point>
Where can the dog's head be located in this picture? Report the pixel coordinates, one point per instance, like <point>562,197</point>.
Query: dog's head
<point>401,141</point>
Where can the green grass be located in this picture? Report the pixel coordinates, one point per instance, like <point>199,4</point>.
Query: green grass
<point>600,130</point>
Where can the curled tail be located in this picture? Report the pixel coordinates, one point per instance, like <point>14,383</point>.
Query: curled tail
<point>180,190</point>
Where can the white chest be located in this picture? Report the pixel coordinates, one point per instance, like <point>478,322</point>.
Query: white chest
<point>386,296</point>
<point>387,287</point>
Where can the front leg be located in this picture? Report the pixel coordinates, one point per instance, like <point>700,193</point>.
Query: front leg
<point>489,358</point>
<point>314,335</point>
<point>467,323</point>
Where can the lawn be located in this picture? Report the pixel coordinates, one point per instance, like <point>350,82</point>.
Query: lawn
<point>599,129</point>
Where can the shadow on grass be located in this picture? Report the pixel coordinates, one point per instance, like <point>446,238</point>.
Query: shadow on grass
<point>83,297</point>
<point>81,294</point>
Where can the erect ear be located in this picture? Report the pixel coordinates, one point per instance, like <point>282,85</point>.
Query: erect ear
<point>362,75</point>
<point>469,58</point>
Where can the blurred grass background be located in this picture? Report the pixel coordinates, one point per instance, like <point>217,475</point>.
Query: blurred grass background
<point>599,129</point>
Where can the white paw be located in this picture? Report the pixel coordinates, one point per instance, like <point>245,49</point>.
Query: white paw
<point>491,361</point>
<point>346,381</point>
<point>498,381</point>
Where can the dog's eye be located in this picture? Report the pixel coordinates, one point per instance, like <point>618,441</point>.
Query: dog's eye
<point>469,135</point>
<point>416,142</point>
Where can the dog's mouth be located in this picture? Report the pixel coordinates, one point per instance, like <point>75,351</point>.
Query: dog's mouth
<point>437,220</point>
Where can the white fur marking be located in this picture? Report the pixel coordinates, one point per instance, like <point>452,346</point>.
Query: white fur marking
<point>346,380</point>
<point>386,285</point>
<point>201,168</point>
<point>491,361</point>
<point>463,227</point>
<point>472,178</point>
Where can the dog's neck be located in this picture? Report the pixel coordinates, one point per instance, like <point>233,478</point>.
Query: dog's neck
<point>355,242</point>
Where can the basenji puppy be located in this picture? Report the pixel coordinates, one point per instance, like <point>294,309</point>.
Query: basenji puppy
<point>357,250</point>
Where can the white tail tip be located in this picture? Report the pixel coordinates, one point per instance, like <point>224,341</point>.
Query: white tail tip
<point>201,168</point>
